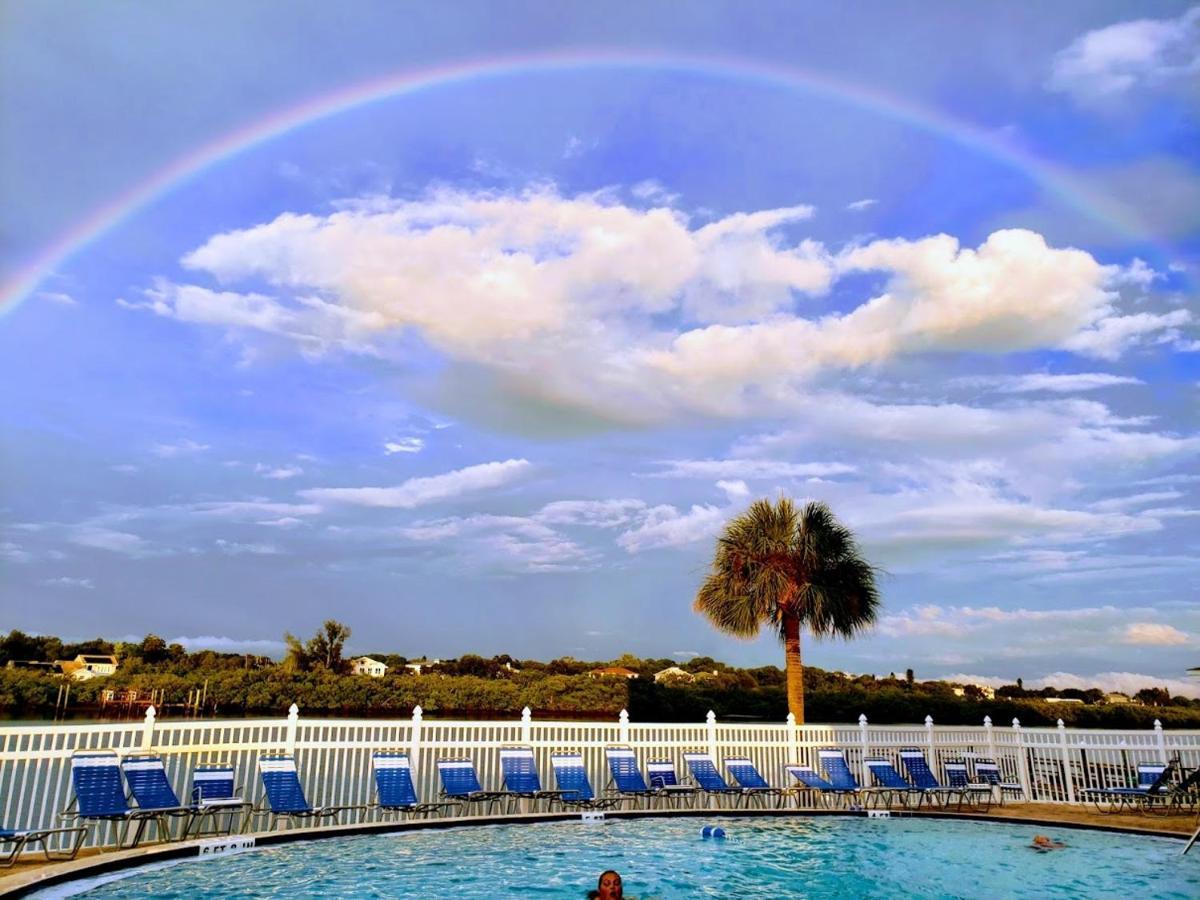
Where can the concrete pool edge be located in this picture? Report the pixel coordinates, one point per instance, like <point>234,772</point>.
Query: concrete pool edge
<point>23,883</point>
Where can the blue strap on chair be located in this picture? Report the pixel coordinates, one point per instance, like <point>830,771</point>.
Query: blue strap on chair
<point>281,782</point>
<point>889,783</point>
<point>519,767</point>
<point>100,796</point>
<point>665,780</point>
<point>923,779</point>
<point>626,775</point>
<point>750,780</point>
<point>213,783</point>
<point>810,781</point>
<point>215,794</point>
<point>285,795</point>
<point>460,782</point>
<point>394,787</point>
<point>572,779</point>
<point>147,780</point>
<point>99,793</point>
<point>988,771</point>
<point>837,770</point>
<point>704,772</point>
<point>1149,776</point>
<point>808,777</point>
<point>973,792</point>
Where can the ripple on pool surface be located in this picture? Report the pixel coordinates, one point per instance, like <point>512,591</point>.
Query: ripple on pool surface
<point>819,857</point>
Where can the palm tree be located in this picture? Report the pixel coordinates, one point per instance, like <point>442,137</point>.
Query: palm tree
<point>786,567</point>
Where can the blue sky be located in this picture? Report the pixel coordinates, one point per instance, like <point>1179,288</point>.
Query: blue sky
<point>483,366</point>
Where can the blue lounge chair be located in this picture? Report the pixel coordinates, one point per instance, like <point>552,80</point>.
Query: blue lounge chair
<point>1150,777</point>
<point>837,771</point>
<point>214,783</point>
<point>285,795</point>
<point>975,793</point>
<point>810,781</point>
<point>923,779</point>
<point>572,779</point>
<point>214,794</point>
<point>21,839</point>
<point>704,772</point>
<point>987,771</point>
<point>627,776</point>
<point>664,779</point>
<point>147,779</point>
<point>394,790</point>
<point>1174,797</point>
<point>100,797</point>
<point>751,782</point>
<point>461,783</point>
<point>889,784</point>
<point>521,778</point>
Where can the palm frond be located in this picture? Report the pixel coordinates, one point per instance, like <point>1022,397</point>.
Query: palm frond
<point>775,559</point>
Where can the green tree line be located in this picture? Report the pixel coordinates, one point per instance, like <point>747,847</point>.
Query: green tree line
<point>311,675</point>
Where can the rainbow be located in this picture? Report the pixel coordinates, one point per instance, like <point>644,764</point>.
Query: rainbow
<point>179,171</point>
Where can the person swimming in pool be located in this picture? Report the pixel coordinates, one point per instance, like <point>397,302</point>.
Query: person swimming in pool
<point>1043,844</point>
<point>609,887</point>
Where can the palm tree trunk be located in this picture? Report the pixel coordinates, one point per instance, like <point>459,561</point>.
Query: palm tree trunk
<point>795,669</point>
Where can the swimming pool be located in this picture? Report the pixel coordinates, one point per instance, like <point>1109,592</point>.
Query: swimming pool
<point>762,857</point>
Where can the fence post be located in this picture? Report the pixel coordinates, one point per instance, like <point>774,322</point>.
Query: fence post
<point>711,721</point>
<point>991,738</point>
<point>793,739</point>
<point>1161,740</point>
<point>414,737</point>
<point>148,728</point>
<point>1068,777</point>
<point>623,727</point>
<point>864,738</point>
<point>933,763</point>
<point>1022,762</point>
<point>526,724</point>
<point>293,718</point>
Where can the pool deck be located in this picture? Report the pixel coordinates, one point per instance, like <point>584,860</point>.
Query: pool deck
<point>25,877</point>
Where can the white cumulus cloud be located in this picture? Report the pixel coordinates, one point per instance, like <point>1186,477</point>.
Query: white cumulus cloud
<point>430,489</point>
<point>666,526</point>
<point>278,473</point>
<point>404,445</point>
<point>1039,382</point>
<point>1154,634</point>
<point>639,314</point>
<point>186,447</point>
<point>1114,60</point>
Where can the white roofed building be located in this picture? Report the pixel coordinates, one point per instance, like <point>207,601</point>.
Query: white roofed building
<point>364,665</point>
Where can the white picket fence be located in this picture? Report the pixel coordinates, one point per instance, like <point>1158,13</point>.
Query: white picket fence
<point>333,755</point>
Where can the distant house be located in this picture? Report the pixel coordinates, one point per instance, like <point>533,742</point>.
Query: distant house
<point>1062,699</point>
<point>418,665</point>
<point>987,693</point>
<point>612,672</point>
<point>364,665</point>
<point>1117,697</point>
<point>35,665</point>
<point>86,666</point>
<point>674,673</point>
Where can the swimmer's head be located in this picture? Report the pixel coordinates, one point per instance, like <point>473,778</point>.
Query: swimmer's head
<point>609,886</point>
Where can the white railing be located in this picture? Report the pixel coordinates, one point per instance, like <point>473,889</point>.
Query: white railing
<point>333,755</point>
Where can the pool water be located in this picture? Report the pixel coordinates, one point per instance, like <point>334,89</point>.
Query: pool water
<point>767,857</point>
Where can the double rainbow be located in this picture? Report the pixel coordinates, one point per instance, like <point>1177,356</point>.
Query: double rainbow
<point>987,143</point>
